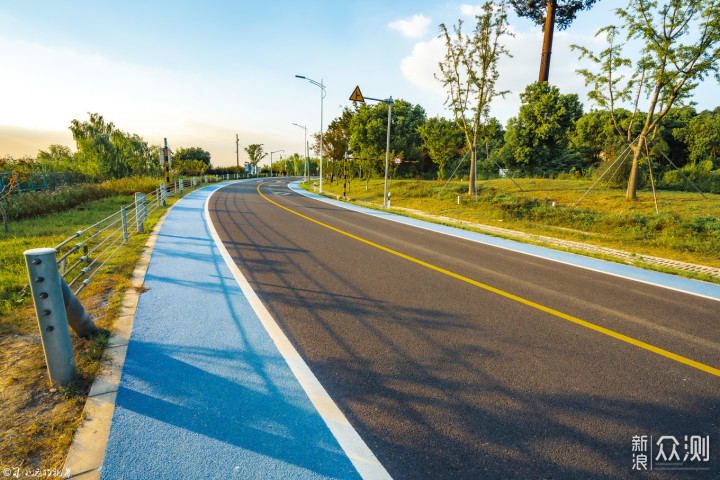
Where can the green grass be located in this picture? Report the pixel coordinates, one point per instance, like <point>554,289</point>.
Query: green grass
<point>686,229</point>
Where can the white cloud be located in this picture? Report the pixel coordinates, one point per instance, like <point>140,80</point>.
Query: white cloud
<point>422,65</point>
<point>413,27</point>
<point>515,73</point>
<point>471,10</point>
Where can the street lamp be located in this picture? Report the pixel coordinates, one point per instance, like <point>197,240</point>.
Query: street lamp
<point>276,151</point>
<point>322,96</point>
<point>304,127</point>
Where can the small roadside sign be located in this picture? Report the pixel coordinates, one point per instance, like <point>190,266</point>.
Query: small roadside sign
<point>357,96</point>
<point>398,160</point>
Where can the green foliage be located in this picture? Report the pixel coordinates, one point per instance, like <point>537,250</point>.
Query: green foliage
<point>700,173</point>
<point>443,140</point>
<point>106,152</point>
<point>188,155</point>
<point>565,12</point>
<point>255,153</point>
<point>702,137</point>
<point>536,140</point>
<point>58,158</point>
<point>368,139</point>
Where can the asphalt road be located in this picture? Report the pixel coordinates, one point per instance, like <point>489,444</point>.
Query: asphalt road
<point>470,364</point>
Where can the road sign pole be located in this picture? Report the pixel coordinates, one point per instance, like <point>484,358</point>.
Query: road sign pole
<point>389,102</point>
<point>357,96</point>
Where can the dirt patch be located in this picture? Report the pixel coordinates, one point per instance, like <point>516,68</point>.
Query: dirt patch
<point>37,422</point>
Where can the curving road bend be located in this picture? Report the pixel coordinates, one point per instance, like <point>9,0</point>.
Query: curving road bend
<point>455,359</point>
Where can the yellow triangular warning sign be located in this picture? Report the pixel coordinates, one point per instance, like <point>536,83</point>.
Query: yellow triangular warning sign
<point>357,96</point>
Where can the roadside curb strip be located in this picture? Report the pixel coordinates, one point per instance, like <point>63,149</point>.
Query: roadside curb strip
<point>87,451</point>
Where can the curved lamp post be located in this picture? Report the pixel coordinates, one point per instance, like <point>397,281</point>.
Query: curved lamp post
<point>276,151</point>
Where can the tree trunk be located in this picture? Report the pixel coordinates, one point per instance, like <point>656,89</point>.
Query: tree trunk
<point>631,193</point>
<point>473,160</point>
<point>547,41</point>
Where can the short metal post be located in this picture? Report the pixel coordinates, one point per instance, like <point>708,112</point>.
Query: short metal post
<point>163,191</point>
<point>182,185</point>
<point>50,309</point>
<point>123,214</point>
<point>140,211</point>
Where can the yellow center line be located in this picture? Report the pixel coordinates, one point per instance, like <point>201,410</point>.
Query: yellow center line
<point>529,303</point>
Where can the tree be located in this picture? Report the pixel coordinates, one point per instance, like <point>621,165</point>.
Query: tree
<point>58,158</point>
<point>368,139</point>
<point>667,71</point>
<point>537,138</point>
<point>443,140</point>
<point>192,153</point>
<point>106,152</point>
<point>255,153</point>
<point>469,73</point>
<point>95,150</point>
<point>548,13</point>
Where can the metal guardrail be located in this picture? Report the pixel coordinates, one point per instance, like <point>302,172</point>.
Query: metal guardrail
<point>54,283</point>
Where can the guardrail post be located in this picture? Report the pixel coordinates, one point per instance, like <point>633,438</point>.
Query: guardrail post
<point>140,211</point>
<point>182,185</point>
<point>161,195</point>
<point>50,309</point>
<point>123,214</point>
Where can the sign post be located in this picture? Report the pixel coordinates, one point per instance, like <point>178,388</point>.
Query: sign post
<point>357,96</point>
<point>165,161</point>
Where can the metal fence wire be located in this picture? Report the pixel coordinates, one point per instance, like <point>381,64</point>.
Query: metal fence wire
<point>44,181</point>
<point>82,255</point>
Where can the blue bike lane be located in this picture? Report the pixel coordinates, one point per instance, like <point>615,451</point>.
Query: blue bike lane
<point>209,388</point>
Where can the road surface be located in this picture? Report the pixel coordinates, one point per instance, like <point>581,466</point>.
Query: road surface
<point>455,359</point>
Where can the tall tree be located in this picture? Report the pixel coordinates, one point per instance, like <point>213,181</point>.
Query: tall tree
<point>680,46</point>
<point>549,13</point>
<point>538,137</point>
<point>469,73</point>
<point>255,153</point>
<point>443,141</point>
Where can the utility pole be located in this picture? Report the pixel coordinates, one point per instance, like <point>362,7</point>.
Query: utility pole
<point>237,151</point>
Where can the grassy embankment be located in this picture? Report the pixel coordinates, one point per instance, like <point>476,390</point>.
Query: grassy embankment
<point>37,423</point>
<point>686,229</point>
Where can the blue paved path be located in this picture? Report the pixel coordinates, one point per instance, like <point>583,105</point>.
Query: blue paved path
<point>204,392</point>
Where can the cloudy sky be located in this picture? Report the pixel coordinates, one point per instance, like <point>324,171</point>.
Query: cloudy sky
<point>199,73</point>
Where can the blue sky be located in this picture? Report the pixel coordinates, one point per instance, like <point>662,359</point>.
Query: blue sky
<point>199,73</point>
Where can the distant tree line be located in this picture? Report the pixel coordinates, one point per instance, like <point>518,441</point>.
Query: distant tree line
<point>104,152</point>
<point>550,136</point>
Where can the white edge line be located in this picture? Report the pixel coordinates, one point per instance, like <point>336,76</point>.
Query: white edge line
<point>389,216</point>
<point>354,447</point>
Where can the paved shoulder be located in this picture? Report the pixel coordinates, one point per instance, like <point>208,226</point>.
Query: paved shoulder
<point>204,391</point>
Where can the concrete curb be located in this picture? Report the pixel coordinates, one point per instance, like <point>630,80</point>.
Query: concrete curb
<point>87,451</point>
